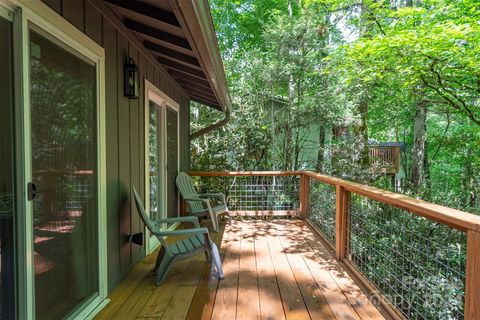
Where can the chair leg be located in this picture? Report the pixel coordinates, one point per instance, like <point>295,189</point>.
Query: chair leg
<point>217,225</point>
<point>214,219</point>
<point>208,256</point>
<point>216,261</point>
<point>160,256</point>
<point>229,217</point>
<point>164,267</point>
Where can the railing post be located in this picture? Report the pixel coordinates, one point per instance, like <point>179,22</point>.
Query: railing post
<point>342,207</point>
<point>472,276</point>
<point>304,196</point>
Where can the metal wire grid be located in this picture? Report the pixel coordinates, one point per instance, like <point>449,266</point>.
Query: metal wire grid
<point>323,209</point>
<point>82,188</point>
<point>417,264</point>
<point>255,193</point>
<point>63,193</point>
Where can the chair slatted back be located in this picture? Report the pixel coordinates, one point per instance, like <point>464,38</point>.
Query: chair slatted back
<point>185,186</point>
<point>145,218</point>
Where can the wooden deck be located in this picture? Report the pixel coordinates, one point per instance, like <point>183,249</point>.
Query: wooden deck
<point>273,270</point>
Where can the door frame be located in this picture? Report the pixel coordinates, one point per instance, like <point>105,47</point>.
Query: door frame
<point>152,93</point>
<point>24,13</point>
<point>7,13</point>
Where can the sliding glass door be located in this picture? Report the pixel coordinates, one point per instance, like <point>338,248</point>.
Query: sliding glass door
<point>171,157</point>
<point>63,117</point>
<point>162,156</point>
<point>7,191</point>
<point>163,160</point>
<point>155,174</point>
<point>52,167</point>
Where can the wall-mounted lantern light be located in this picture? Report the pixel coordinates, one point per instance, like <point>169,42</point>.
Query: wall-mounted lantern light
<point>130,75</point>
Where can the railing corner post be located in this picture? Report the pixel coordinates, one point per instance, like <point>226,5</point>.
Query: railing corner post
<point>342,202</point>
<point>472,276</point>
<point>304,196</point>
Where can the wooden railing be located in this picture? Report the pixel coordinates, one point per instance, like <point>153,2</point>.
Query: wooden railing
<point>385,158</point>
<point>372,230</point>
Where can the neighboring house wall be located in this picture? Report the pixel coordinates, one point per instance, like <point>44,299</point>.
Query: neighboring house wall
<point>125,149</point>
<point>308,137</point>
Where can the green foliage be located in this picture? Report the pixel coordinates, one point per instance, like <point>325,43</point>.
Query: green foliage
<point>272,58</point>
<point>293,73</point>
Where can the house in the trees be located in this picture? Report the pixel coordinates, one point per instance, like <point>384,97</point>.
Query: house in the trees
<point>308,141</point>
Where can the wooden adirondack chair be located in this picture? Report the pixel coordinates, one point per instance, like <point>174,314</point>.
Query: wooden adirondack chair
<point>197,242</point>
<point>201,204</point>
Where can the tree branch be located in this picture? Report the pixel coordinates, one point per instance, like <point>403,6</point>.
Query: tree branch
<point>443,137</point>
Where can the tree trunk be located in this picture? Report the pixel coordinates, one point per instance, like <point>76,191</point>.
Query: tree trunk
<point>426,166</point>
<point>361,131</point>
<point>468,183</point>
<point>321,148</point>
<point>291,102</point>
<point>361,128</point>
<point>419,139</point>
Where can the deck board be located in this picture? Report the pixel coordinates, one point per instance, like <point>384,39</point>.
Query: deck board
<point>271,306</point>
<point>323,260</point>
<point>275,269</point>
<point>201,306</point>
<point>293,304</point>
<point>248,301</point>
<point>316,304</point>
<point>225,304</point>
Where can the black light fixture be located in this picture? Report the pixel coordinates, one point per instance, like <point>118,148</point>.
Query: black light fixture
<point>130,79</point>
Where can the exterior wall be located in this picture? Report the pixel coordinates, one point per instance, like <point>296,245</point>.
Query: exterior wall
<point>125,150</point>
<point>309,133</point>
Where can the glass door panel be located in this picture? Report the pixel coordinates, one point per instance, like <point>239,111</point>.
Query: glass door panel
<point>7,204</point>
<point>64,171</point>
<point>172,162</point>
<point>154,161</point>
<point>163,159</point>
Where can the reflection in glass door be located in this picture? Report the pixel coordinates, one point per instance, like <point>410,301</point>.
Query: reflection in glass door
<point>172,161</point>
<point>154,161</point>
<point>7,204</point>
<point>64,172</point>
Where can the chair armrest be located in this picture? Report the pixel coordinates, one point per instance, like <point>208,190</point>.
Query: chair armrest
<point>184,232</point>
<point>195,199</point>
<point>191,219</point>
<point>218,195</point>
<point>211,194</point>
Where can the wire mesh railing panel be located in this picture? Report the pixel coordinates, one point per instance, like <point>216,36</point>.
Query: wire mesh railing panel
<point>322,210</point>
<point>254,193</point>
<point>417,264</point>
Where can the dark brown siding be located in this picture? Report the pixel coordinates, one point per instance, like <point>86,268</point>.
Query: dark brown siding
<point>124,126</point>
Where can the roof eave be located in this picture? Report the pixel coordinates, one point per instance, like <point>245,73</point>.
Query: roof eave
<point>196,20</point>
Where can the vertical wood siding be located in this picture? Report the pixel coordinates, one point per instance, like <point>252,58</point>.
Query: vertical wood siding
<point>125,149</point>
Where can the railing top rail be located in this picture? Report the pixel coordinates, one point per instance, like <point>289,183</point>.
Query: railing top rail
<point>452,217</point>
<point>243,173</point>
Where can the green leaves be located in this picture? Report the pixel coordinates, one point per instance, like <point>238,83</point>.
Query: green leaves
<point>291,74</point>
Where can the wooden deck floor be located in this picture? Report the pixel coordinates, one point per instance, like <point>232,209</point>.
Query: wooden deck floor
<point>273,270</point>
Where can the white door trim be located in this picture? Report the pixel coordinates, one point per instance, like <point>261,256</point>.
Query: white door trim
<point>6,11</point>
<point>152,93</point>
